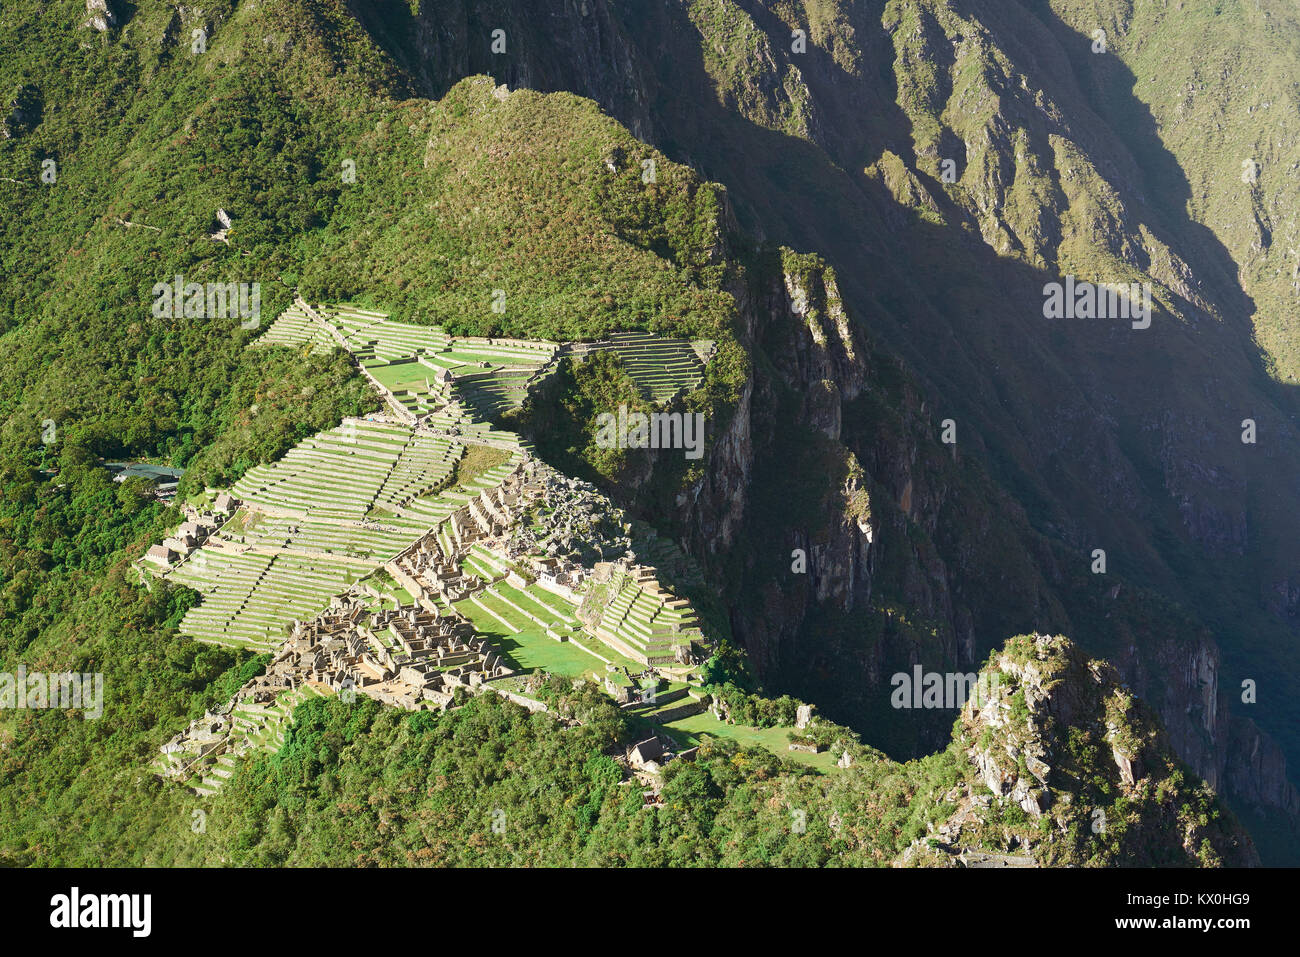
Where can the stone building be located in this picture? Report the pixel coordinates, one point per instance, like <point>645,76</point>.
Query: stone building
<point>161,555</point>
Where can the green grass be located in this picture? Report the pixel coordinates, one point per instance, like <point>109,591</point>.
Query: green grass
<point>402,376</point>
<point>530,649</point>
<point>689,731</point>
<point>477,460</point>
<point>605,651</point>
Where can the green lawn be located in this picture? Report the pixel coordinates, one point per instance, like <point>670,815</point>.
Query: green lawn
<point>556,609</point>
<point>202,500</point>
<point>544,604</point>
<point>402,595</point>
<point>531,649</point>
<point>239,522</point>
<point>495,362</point>
<point>403,376</point>
<point>605,651</point>
<point>689,731</point>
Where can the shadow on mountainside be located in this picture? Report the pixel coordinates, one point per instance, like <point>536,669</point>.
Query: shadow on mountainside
<point>1107,436</point>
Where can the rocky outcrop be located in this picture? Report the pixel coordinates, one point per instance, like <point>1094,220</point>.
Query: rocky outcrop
<point>1052,734</point>
<point>1255,772</point>
<point>904,484</point>
<point>1179,679</point>
<point>585,52</point>
<point>101,15</point>
<point>714,508</point>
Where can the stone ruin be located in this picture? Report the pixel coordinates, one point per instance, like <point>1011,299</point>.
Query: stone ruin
<point>501,519</point>
<point>427,569</point>
<point>577,522</point>
<point>408,657</point>
<point>208,735</point>
<point>417,655</point>
<point>431,566</point>
<point>197,528</point>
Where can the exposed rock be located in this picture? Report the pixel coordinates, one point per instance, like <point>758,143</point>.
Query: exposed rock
<point>1036,736</point>
<point>101,15</point>
<point>223,224</point>
<point>803,716</point>
<point>1130,768</point>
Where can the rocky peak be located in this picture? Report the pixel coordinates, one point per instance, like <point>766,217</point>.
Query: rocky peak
<point>1067,766</point>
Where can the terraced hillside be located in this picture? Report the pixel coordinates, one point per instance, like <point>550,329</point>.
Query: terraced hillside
<point>426,369</point>
<point>347,472</point>
<point>488,186</point>
<point>255,727</point>
<point>645,621</point>
<point>331,511</point>
<point>340,504</point>
<point>248,598</point>
<point>661,368</point>
<point>294,328</point>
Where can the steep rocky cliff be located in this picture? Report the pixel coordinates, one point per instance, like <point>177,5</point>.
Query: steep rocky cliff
<point>1069,767</point>
<point>896,556</point>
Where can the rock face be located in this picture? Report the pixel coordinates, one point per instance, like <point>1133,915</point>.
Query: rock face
<point>101,15</point>
<point>223,225</point>
<point>1069,767</point>
<point>905,491</point>
<point>1180,678</point>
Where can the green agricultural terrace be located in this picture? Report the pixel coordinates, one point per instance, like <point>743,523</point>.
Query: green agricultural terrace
<point>645,621</point>
<point>661,368</point>
<point>425,368</point>
<point>248,598</point>
<point>258,727</point>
